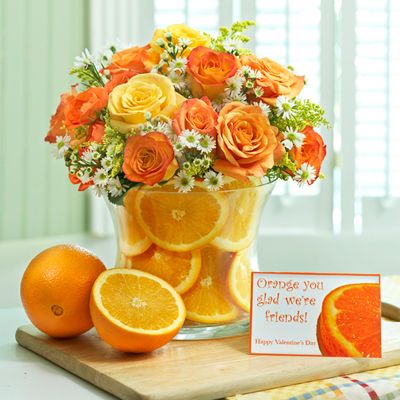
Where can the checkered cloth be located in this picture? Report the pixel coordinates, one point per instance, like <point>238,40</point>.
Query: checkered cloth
<point>379,384</point>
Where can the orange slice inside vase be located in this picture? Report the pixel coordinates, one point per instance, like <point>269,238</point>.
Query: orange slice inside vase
<point>179,269</point>
<point>208,300</point>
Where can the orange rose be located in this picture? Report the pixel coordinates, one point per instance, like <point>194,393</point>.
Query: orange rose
<point>96,132</point>
<point>209,69</point>
<point>84,108</point>
<point>149,159</point>
<point>247,143</point>
<point>57,122</point>
<point>196,114</point>
<point>312,152</point>
<point>132,60</point>
<point>276,80</point>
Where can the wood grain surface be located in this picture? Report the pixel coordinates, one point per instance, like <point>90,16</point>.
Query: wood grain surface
<point>206,369</point>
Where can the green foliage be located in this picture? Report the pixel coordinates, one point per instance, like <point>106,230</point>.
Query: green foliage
<point>305,113</point>
<point>87,75</point>
<point>197,165</point>
<point>284,170</point>
<point>228,38</point>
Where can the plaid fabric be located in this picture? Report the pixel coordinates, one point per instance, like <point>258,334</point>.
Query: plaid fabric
<point>379,384</point>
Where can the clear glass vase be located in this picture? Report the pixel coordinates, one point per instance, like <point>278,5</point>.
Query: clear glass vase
<point>203,243</point>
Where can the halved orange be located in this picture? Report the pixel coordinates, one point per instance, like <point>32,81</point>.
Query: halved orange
<point>180,221</point>
<point>134,311</point>
<point>180,270</point>
<point>245,202</point>
<point>207,301</point>
<point>239,280</point>
<point>133,240</point>
<point>350,322</point>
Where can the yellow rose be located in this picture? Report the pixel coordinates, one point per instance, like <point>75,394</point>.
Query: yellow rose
<point>152,93</point>
<point>180,31</point>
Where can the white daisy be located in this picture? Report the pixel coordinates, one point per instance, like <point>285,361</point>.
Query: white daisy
<point>305,174</point>
<point>234,85</point>
<point>183,182</point>
<point>239,97</point>
<point>206,144</point>
<point>100,177</point>
<point>292,137</point>
<point>164,127</point>
<point>190,138</point>
<point>61,146</point>
<point>285,107</point>
<point>213,181</point>
<point>99,191</point>
<point>258,91</point>
<point>197,162</point>
<point>106,163</point>
<point>85,59</point>
<point>184,42</point>
<point>264,108</point>
<point>179,64</point>
<point>160,42</point>
<point>245,70</point>
<point>87,156</point>
<point>255,74</point>
<point>168,35</point>
<point>164,56</point>
<point>178,148</point>
<point>84,175</point>
<point>115,187</point>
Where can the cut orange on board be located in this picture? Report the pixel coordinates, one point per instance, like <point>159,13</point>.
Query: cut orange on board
<point>350,322</point>
<point>239,280</point>
<point>133,240</point>
<point>134,311</point>
<point>207,300</point>
<point>245,202</point>
<point>180,222</point>
<point>180,270</point>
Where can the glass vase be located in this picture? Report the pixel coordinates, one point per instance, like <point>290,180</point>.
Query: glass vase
<point>203,243</point>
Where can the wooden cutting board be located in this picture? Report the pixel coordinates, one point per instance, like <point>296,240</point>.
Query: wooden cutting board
<point>207,369</point>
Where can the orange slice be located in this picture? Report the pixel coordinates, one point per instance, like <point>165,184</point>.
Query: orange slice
<point>134,311</point>
<point>239,281</point>
<point>245,204</point>
<point>350,322</point>
<point>180,270</point>
<point>207,301</point>
<point>180,221</point>
<point>133,240</point>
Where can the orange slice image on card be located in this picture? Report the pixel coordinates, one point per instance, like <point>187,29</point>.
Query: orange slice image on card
<point>350,322</point>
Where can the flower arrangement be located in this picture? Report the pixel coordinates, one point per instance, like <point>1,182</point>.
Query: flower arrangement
<point>186,107</point>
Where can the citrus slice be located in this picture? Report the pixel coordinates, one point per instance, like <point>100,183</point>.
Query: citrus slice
<point>133,240</point>
<point>180,270</point>
<point>350,322</point>
<point>180,221</point>
<point>134,311</point>
<point>207,301</point>
<point>239,280</point>
<point>245,203</point>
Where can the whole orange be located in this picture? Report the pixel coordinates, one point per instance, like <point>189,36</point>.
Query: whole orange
<point>55,290</point>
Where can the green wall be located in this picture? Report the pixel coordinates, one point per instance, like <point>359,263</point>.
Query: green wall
<point>39,40</point>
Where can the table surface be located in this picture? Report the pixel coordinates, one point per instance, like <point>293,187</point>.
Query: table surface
<point>24,375</point>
